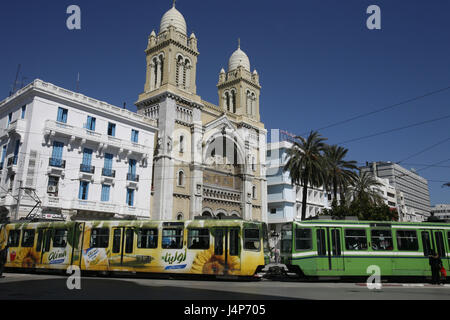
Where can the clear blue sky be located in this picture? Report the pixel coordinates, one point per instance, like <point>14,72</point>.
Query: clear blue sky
<point>318,64</point>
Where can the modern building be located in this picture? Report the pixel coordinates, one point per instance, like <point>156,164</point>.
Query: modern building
<point>67,154</point>
<point>413,187</point>
<point>209,159</point>
<point>441,211</point>
<point>284,199</point>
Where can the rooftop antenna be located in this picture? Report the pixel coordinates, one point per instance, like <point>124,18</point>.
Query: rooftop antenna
<point>174,1</point>
<point>239,43</point>
<point>15,81</point>
<point>78,82</point>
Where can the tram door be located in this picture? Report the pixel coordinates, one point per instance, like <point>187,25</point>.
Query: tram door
<point>122,246</point>
<point>439,245</point>
<point>226,246</point>
<point>329,249</point>
<point>43,245</point>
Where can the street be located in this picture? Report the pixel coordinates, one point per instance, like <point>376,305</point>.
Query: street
<point>25,286</point>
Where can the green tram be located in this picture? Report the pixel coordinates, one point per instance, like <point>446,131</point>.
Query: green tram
<point>330,248</point>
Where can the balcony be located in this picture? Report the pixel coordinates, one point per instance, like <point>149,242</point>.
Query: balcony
<point>87,168</point>
<point>57,162</point>
<point>52,127</point>
<point>106,172</point>
<point>132,177</point>
<point>18,126</point>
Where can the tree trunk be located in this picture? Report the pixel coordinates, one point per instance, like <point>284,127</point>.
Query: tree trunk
<point>304,194</point>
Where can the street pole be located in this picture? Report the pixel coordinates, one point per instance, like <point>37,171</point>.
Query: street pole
<point>16,217</point>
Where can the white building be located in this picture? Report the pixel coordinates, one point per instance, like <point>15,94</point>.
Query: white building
<point>284,199</point>
<point>441,211</point>
<point>65,153</point>
<point>414,188</point>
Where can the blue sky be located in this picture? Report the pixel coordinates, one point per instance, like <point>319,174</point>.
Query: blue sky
<point>317,61</point>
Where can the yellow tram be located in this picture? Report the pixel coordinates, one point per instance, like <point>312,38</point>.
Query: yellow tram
<point>209,247</point>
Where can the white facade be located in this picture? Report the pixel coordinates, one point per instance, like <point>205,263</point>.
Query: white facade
<point>414,188</point>
<point>441,211</point>
<point>284,200</point>
<point>60,157</point>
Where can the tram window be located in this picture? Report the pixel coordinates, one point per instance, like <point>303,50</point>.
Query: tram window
<point>303,239</point>
<point>117,237</point>
<point>13,238</point>
<point>218,242</point>
<point>321,246</point>
<point>60,238</point>
<point>286,241</point>
<point>147,238</point>
<point>251,239</point>
<point>198,239</point>
<point>407,240</point>
<point>355,239</point>
<point>28,238</point>
<point>426,243</point>
<point>99,238</point>
<point>381,240</point>
<point>234,242</point>
<point>172,239</point>
<point>129,236</point>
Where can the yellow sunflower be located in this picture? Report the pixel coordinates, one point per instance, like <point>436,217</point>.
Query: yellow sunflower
<point>206,262</point>
<point>28,257</point>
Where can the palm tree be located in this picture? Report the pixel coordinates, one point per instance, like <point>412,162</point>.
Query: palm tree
<point>363,189</point>
<point>305,164</point>
<point>339,172</point>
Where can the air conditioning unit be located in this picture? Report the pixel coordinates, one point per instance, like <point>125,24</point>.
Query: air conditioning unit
<point>52,189</point>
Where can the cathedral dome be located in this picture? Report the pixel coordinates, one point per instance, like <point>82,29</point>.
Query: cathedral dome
<point>238,58</point>
<point>173,17</point>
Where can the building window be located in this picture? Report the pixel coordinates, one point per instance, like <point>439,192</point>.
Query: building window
<point>16,151</point>
<point>52,187</point>
<point>180,178</point>
<point>107,166</point>
<point>254,192</point>
<point>9,118</point>
<point>3,157</point>
<point>180,216</point>
<point>134,136</point>
<point>90,124</point>
<point>181,143</point>
<point>24,108</point>
<point>273,210</point>
<point>84,190</point>
<point>132,170</point>
<point>62,115</point>
<point>105,192</point>
<point>56,159</point>
<point>111,129</point>
<point>87,159</point>
<point>130,197</point>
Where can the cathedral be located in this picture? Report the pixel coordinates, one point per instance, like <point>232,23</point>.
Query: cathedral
<point>209,159</point>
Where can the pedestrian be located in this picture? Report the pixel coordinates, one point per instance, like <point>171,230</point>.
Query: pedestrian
<point>3,257</point>
<point>436,265</point>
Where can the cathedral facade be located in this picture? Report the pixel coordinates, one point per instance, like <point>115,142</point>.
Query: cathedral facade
<point>209,159</point>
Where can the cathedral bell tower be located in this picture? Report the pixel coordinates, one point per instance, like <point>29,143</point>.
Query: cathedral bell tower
<point>171,56</point>
<point>238,88</point>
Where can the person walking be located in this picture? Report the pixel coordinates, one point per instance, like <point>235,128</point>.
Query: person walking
<point>3,258</point>
<point>436,265</point>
